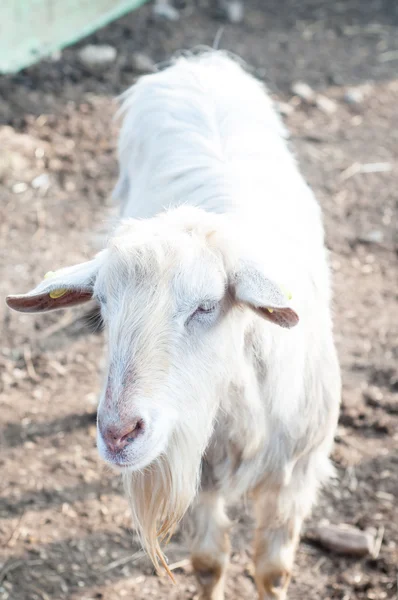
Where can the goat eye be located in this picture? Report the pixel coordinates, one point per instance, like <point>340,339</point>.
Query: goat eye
<point>205,309</point>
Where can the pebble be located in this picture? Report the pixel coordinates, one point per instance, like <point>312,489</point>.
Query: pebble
<point>233,10</point>
<point>142,63</point>
<point>373,396</point>
<point>285,109</point>
<point>19,188</point>
<point>345,539</point>
<point>353,96</point>
<point>335,79</point>
<point>325,104</point>
<point>303,91</point>
<point>372,237</point>
<point>41,182</point>
<point>352,578</point>
<point>18,375</point>
<point>97,58</point>
<point>162,9</point>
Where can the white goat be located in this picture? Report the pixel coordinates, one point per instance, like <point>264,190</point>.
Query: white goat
<point>207,388</point>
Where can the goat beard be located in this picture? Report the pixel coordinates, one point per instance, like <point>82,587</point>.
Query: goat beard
<point>160,494</point>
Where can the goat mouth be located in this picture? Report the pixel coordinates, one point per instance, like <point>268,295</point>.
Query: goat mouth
<point>119,466</point>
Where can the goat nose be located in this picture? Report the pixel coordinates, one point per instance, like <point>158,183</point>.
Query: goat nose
<point>117,438</point>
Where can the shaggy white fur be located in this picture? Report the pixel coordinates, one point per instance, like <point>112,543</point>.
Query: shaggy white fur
<point>205,374</point>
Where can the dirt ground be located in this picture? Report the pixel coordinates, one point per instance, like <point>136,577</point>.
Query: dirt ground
<point>65,531</point>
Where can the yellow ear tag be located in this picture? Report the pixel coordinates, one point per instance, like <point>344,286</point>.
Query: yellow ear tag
<point>55,293</point>
<point>271,310</point>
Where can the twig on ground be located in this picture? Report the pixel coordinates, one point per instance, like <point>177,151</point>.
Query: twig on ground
<point>123,561</point>
<point>27,355</point>
<point>41,221</point>
<point>388,56</point>
<point>357,168</point>
<point>350,171</point>
<point>318,564</point>
<point>382,167</point>
<point>378,542</point>
<point>180,564</point>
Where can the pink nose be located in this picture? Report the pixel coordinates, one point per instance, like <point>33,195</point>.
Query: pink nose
<point>117,438</point>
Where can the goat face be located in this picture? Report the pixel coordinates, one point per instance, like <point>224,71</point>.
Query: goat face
<point>164,298</point>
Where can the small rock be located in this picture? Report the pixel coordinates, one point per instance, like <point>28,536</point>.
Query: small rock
<point>142,63</point>
<point>19,374</point>
<point>233,10</point>
<point>352,578</point>
<point>303,91</point>
<point>162,9</point>
<point>19,188</point>
<point>285,109</point>
<point>335,79</point>
<point>97,58</point>
<point>353,96</point>
<point>372,237</point>
<point>41,182</point>
<point>345,539</point>
<point>325,104</point>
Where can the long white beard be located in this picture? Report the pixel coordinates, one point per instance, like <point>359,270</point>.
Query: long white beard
<point>160,494</point>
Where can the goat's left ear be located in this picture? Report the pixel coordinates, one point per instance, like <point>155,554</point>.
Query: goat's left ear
<point>263,295</point>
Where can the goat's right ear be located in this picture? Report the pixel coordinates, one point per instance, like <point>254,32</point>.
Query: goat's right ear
<point>60,289</point>
<point>253,288</point>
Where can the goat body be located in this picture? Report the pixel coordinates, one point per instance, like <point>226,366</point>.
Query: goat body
<point>204,388</point>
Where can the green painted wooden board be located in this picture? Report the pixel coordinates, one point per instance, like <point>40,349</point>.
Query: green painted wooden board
<point>31,29</point>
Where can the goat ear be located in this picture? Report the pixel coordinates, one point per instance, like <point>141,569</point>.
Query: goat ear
<point>60,289</point>
<point>263,295</point>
